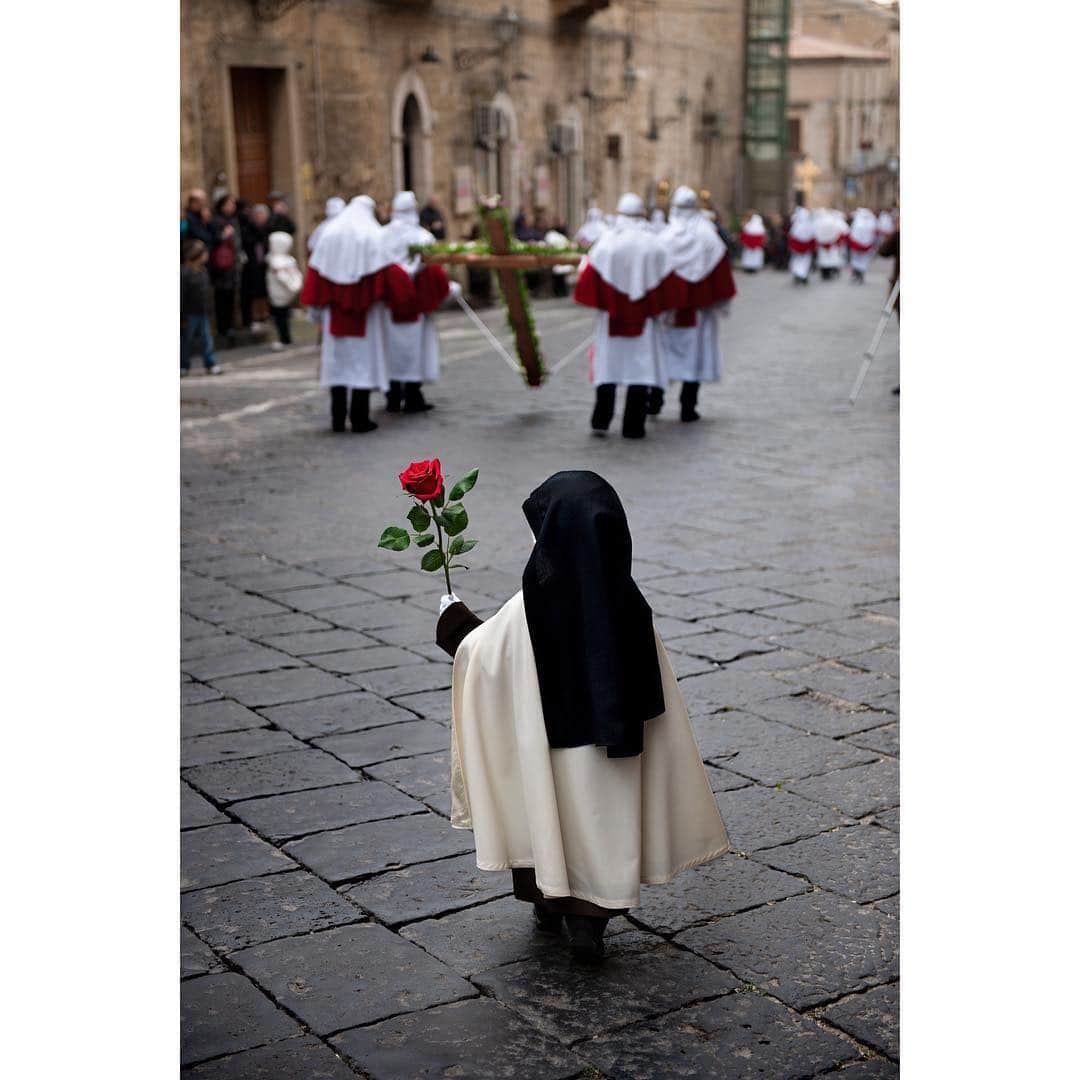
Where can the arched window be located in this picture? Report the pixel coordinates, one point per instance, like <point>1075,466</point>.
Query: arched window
<point>410,143</point>
<point>410,136</point>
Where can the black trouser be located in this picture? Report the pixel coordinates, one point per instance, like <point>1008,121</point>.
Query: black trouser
<point>280,316</point>
<point>407,392</point>
<point>637,400</point>
<point>224,304</point>
<point>356,410</point>
<point>688,400</point>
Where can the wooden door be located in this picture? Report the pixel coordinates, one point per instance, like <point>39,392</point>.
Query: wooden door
<point>251,122</point>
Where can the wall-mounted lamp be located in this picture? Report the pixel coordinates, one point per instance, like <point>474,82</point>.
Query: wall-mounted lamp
<point>430,56</point>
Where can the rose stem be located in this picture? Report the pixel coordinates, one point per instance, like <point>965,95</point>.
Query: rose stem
<point>445,554</point>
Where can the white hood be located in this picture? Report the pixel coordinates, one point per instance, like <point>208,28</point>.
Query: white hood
<point>690,240</point>
<point>629,257</point>
<point>352,245</point>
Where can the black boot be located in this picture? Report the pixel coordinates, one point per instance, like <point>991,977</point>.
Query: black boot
<point>655,402</point>
<point>393,397</point>
<point>688,402</point>
<point>547,922</point>
<point>604,409</point>
<point>633,422</point>
<point>358,412</point>
<point>586,936</point>
<point>339,407</point>
<point>414,399</point>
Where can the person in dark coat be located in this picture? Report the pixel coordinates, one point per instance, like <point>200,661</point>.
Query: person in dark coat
<point>195,303</point>
<point>194,226</point>
<point>431,218</point>
<point>279,214</point>
<point>225,263</point>
<point>254,234</point>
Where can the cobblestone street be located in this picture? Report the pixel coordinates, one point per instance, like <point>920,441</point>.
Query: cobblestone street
<point>334,925</point>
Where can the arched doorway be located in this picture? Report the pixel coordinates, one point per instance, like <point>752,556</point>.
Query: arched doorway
<point>410,143</point>
<point>410,136</point>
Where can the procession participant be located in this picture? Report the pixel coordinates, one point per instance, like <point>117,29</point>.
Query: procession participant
<point>345,285</point>
<point>861,242</point>
<point>657,221</point>
<point>411,338</point>
<point>800,241</point>
<point>701,287</point>
<point>334,205</point>
<point>623,278</point>
<point>572,757</point>
<point>752,240</point>
<point>885,227</point>
<point>591,229</point>
<point>828,243</point>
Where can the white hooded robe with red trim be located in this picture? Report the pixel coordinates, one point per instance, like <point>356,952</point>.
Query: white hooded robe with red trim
<point>623,278</point>
<point>344,289</point>
<point>801,244</point>
<point>862,239</point>
<point>752,239</point>
<point>701,286</point>
<point>829,239</point>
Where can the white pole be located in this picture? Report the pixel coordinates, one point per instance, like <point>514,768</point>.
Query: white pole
<point>868,356</point>
<point>493,341</point>
<point>575,351</point>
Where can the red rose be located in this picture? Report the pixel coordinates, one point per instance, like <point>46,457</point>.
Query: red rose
<point>423,479</point>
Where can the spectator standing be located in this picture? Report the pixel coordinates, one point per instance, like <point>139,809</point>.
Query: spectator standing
<point>431,218</point>
<point>193,226</point>
<point>195,291</point>
<point>283,284</point>
<point>225,263</point>
<point>279,214</point>
<point>255,234</point>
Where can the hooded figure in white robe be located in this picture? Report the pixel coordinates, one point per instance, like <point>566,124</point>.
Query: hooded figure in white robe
<point>334,205</point>
<point>862,240</point>
<point>623,278</point>
<point>702,288</point>
<point>886,226</point>
<point>752,239</point>
<point>411,338</point>
<point>829,243</point>
<point>592,228</point>
<point>801,245</point>
<point>657,221</point>
<point>572,756</point>
<point>344,289</point>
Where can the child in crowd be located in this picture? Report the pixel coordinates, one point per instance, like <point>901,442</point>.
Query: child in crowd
<point>196,300</point>
<point>283,284</point>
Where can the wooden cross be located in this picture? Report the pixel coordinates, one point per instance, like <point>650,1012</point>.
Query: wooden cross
<point>507,264</point>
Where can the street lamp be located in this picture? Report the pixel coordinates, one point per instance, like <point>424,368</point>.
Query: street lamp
<point>506,28</point>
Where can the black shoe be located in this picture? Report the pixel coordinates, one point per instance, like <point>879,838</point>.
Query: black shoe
<point>688,416</point>
<point>547,922</point>
<point>896,391</point>
<point>363,427</point>
<point>393,396</point>
<point>586,937</point>
<point>414,399</point>
<point>655,402</point>
<point>633,433</point>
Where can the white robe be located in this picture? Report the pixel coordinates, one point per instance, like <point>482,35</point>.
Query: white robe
<point>591,827</point>
<point>412,349</point>
<point>752,258</point>
<point>692,353</point>
<point>799,264</point>
<point>628,361</point>
<point>829,256</point>
<point>860,260</point>
<point>357,362</point>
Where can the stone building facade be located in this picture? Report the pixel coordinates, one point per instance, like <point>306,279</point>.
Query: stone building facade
<point>555,105</point>
<point>843,102</point>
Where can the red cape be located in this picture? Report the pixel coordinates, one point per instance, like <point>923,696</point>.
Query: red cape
<point>800,247</point>
<point>752,240</point>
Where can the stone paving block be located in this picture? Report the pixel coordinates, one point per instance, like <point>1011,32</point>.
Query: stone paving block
<point>889,819</point>
<point>195,811</point>
<point>195,693</point>
<point>732,690</point>
<point>245,913</point>
<point>809,612</point>
<point>889,702</point>
<point>805,951</point>
<point>229,566</point>
<point>399,583</point>
<point>434,705</point>
<point>688,608</point>
<point>762,817</point>
<point>722,887</point>
<point>882,740</point>
<point>276,774</point>
<point>221,1014</point>
<point>425,777</point>
<point>723,780</point>
<point>820,643</point>
<point>314,642</point>
<point>338,566</point>
<point>861,862</point>
<point>819,715</point>
<point>873,1018</point>
<point>240,660</point>
<point>856,792</point>
<point>394,622</point>
<point>305,1058</point>
<point>336,714</point>
<point>570,1001</point>
<point>740,1036</point>
<point>684,665</point>
<point>479,938</point>
<point>355,661</point>
<point>472,1040</point>
<point>284,817</point>
<point>196,958</point>
<point>323,597</point>
<point>265,627</point>
<point>361,748</point>
<point>845,594</point>
<point>374,846</point>
<point>747,598</point>
<point>890,905</point>
<point>221,853</point>
<point>398,681</point>
<point>871,630</point>
<point>723,734</point>
<point>279,580</point>
<point>430,889</point>
<point>776,659</point>
<point>870,1069</point>
<point>885,660</point>
<point>232,605</point>
<point>847,683</point>
<point>282,687</point>
<point>191,628</point>
<point>671,629</point>
<point>761,628</point>
<point>351,975</point>
<point>219,641</point>
<point>794,757</point>
<point>691,584</point>
<point>719,645</point>
<point>216,717</point>
<point>889,608</point>
<point>235,745</point>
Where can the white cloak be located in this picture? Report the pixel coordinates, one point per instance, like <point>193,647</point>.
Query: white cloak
<point>412,348</point>
<point>692,353</point>
<point>752,258</point>
<point>628,361</point>
<point>357,362</point>
<point>592,827</point>
<point>799,264</point>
